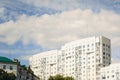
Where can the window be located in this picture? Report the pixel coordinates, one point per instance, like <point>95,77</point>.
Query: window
<point>103,44</point>
<point>109,55</point>
<point>92,44</point>
<point>83,46</point>
<point>104,77</point>
<point>72,72</point>
<point>4,66</point>
<point>73,61</point>
<point>88,45</point>
<point>103,57</point>
<point>88,49</point>
<point>104,49</point>
<point>79,46</point>
<point>83,58</point>
<point>103,62</point>
<point>103,53</point>
<point>113,76</point>
<point>11,67</point>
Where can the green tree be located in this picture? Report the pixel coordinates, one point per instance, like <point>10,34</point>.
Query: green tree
<point>6,76</point>
<point>11,76</point>
<point>58,77</point>
<point>68,78</point>
<point>51,78</point>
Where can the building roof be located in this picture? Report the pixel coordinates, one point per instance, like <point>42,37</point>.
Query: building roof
<point>6,60</point>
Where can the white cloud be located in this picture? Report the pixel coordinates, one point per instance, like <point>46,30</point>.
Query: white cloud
<point>51,31</point>
<point>25,57</point>
<point>14,51</point>
<point>1,11</point>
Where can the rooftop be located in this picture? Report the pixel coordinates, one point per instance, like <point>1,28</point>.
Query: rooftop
<point>5,60</point>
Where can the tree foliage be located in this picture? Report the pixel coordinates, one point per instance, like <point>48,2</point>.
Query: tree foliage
<point>60,77</point>
<point>68,78</point>
<point>6,76</point>
<point>51,78</point>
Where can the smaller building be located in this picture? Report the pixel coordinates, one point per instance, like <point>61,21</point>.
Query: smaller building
<point>21,71</point>
<point>111,72</point>
<point>8,65</point>
<point>46,64</point>
<point>25,73</point>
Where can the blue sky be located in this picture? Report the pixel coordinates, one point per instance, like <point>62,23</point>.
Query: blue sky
<point>28,27</point>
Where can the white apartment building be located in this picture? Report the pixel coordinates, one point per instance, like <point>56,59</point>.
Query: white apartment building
<point>84,58</point>
<point>111,72</point>
<point>45,64</point>
<point>81,59</point>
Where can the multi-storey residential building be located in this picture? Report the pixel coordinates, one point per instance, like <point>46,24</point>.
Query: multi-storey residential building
<point>45,64</point>
<point>84,58</point>
<point>111,72</point>
<point>81,59</point>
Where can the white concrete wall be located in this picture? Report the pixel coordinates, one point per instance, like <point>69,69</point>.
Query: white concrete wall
<point>14,70</point>
<point>45,64</point>
<point>81,59</point>
<point>111,72</point>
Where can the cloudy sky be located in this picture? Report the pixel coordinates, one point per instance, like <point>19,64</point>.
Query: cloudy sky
<point>31,26</point>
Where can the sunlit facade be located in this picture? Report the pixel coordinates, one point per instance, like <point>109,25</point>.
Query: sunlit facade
<point>84,58</point>
<point>45,64</point>
<point>111,72</point>
<point>81,59</point>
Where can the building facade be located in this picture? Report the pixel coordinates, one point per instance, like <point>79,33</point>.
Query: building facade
<point>81,59</point>
<point>84,58</point>
<point>45,64</point>
<point>111,72</point>
<point>8,65</point>
<point>20,71</point>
